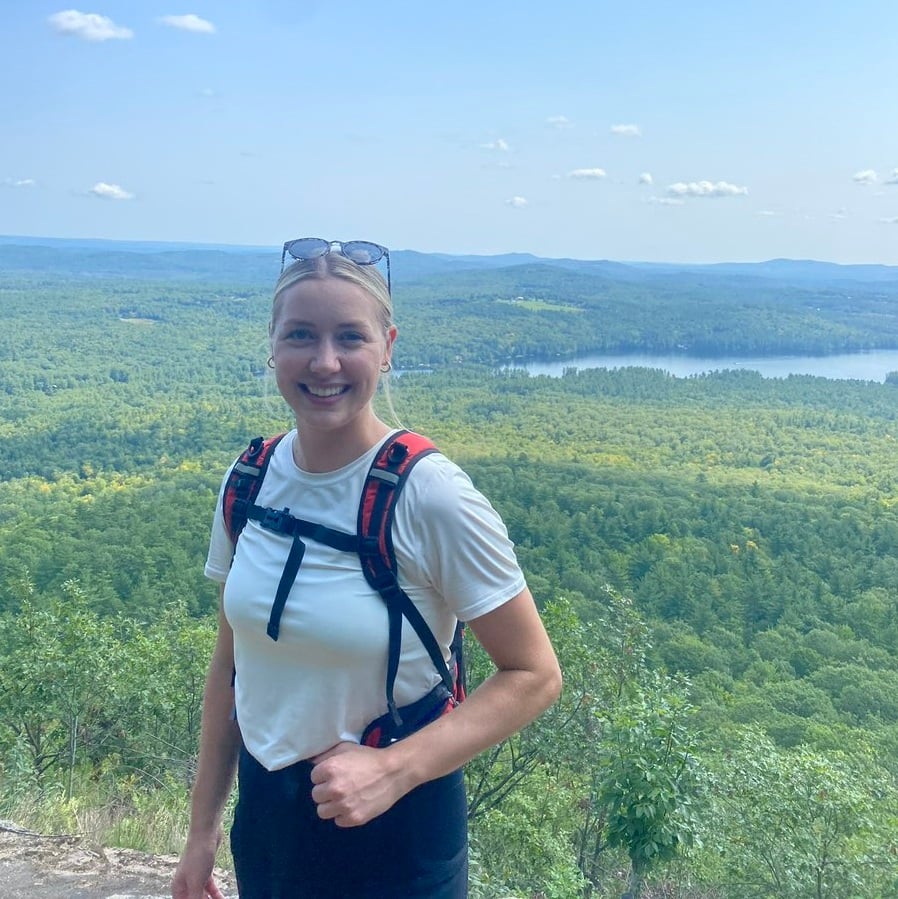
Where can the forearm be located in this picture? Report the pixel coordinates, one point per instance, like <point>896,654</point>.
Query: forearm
<point>527,682</point>
<point>498,708</point>
<point>219,747</point>
<point>354,784</point>
<point>219,742</point>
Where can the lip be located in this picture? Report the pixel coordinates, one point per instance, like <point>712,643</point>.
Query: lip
<point>324,391</point>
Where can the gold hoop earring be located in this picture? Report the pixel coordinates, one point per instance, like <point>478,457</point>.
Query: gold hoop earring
<point>387,366</point>
<point>270,362</point>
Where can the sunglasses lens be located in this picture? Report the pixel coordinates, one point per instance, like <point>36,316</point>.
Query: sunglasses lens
<point>308,247</point>
<point>363,252</point>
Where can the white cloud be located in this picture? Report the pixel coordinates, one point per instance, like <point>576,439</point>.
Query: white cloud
<point>626,130</point>
<point>20,182</point>
<point>867,176</point>
<point>893,178</point>
<point>646,178</point>
<point>558,121</point>
<point>110,192</point>
<point>891,221</point>
<point>667,201</point>
<point>517,202</point>
<point>190,22</point>
<point>706,189</point>
<point>88,25</point>
<point>838,215</point>
<point>587,174</point>
<point>769,213</point>
<point>498,144</point>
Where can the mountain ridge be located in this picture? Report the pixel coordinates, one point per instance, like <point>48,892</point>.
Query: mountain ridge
<point>114,257</point>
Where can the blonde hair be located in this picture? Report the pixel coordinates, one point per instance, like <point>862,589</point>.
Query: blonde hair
<point>333,265</point>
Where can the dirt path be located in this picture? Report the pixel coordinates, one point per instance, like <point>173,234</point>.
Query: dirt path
<point>65,867</point>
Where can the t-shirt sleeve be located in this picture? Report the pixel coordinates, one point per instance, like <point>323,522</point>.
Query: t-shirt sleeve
<point>460,544</point>
<point>221,550</point>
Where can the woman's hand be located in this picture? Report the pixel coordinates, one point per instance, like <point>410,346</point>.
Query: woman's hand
<point>193,877</point>
<point>354,784</point>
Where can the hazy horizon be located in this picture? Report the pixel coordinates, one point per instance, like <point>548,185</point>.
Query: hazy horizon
<point>48,240</point>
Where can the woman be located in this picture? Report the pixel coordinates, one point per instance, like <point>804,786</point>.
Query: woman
<point>320,815</point>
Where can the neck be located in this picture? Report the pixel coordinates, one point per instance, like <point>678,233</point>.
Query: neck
<point>322,451</point>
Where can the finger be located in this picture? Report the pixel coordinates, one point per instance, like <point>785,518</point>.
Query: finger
<point>355,819</point>
<point>321,794</point>
<point>327,810</point>
<point>321,774</point>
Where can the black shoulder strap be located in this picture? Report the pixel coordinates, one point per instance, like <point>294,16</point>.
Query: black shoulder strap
<point>386,477</point>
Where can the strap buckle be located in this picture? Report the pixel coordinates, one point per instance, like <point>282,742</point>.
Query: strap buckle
<point>277,520</point>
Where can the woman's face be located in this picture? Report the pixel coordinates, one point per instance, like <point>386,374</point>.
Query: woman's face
<point>328,347</point>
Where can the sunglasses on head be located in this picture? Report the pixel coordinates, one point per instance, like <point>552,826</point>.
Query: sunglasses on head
<point>361,252</point>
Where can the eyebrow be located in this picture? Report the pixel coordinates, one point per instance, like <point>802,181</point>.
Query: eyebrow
<point>359,324</point>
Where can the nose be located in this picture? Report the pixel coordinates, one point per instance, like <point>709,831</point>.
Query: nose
<point>326,357</point>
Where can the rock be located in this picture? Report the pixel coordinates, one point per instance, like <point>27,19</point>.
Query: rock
<point>33,866</point>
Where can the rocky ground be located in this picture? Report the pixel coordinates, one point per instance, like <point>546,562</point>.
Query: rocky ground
<point>34,866</point>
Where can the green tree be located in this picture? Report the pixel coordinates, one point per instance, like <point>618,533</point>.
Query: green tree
<point>57,667</point>
<point>649,779</point>
<point>796,823</point>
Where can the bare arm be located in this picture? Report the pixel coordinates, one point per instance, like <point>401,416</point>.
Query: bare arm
<point>219,746</point>
<point>355,784</point>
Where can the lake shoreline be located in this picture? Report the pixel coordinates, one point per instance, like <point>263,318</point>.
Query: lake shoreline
<point>866,365</point>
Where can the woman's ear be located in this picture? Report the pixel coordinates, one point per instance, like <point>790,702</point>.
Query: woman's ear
<point>392,333</point>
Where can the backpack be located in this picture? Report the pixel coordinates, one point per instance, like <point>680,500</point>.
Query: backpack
<point>373,543</point>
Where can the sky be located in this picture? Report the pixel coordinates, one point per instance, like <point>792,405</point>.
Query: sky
<point>643,131</point>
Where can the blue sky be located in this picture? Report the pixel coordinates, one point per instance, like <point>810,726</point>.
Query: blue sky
<point>654,131</point>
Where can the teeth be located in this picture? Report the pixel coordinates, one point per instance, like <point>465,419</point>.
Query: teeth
<point>324,391</point>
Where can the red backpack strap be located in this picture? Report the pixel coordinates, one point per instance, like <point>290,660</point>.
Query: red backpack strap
<point>458,659</point>
<point>387,475</point>
<point>244,482</point>
<point>389,471</point>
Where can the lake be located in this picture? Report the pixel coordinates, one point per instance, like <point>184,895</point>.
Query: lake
<point>872,365</point>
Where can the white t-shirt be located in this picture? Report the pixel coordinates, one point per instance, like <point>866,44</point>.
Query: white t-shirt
<point>323,680</point>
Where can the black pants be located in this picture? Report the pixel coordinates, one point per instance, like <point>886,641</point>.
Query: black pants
<point>282,850</point>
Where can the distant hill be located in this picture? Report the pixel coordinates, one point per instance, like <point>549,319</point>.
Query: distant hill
<point>192,261</point>
<point>793,271</point>
<point>127,246</point>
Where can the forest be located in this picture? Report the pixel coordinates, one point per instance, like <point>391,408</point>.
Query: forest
<point>715,557</point>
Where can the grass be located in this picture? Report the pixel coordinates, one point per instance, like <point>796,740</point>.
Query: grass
<point>130,816</point>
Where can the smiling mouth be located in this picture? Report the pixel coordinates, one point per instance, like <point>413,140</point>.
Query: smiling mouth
<point>325,392</point>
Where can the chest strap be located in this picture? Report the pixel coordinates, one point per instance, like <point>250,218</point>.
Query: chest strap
<point>397,601</point>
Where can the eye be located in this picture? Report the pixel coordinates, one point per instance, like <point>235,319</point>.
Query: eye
<point>352,337</point>
<point>298,334</point>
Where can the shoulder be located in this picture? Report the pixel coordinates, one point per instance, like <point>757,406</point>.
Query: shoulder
<point>440,497</point>
<point>437,480</point>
